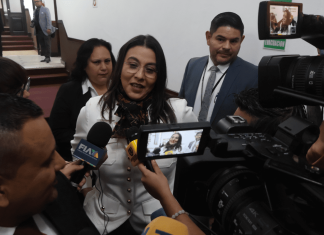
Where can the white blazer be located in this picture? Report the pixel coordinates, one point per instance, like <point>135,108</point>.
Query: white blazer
<point>124,196</point>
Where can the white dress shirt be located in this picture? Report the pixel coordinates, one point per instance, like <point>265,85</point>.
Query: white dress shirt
<point>85,87</point>
<point>205,77</point>
<point>43,224</point>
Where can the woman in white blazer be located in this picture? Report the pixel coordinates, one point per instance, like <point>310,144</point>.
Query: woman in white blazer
<point>119,203</point>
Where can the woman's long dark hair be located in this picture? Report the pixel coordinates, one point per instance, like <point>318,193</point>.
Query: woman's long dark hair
<point>159,109</point>
<point>78,73</point>
<point>13,76</point>
<point>176,146</point>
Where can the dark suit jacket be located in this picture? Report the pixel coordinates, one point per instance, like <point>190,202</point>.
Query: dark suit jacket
<point>68,103</point>
<point>240,75</point>
<point>66,212</point>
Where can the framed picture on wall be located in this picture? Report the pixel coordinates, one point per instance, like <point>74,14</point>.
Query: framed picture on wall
<point>94,3</point>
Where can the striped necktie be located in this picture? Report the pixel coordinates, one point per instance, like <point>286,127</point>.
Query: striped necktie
<point>208,92</point>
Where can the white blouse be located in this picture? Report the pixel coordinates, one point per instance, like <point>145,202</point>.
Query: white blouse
<point>121,191</point>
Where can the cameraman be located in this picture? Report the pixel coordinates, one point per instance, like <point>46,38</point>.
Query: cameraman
<point>263,120</point>
<point>157,185</point>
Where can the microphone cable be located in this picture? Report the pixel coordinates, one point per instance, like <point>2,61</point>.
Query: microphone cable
<point>102,208</point>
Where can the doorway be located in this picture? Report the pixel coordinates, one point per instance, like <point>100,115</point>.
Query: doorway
<point>16,17</point>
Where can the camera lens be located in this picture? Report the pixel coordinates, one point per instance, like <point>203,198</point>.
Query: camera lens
<point>236,202</point>
<point>229,183</point>
<point>306,74</point>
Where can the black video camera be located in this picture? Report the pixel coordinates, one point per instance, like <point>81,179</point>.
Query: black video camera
<point>253,183</point>
<point>287,80</point>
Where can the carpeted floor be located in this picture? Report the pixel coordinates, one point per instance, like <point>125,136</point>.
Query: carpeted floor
<point>44,96</point>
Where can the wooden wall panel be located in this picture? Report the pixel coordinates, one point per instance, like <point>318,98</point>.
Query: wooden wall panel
<point>69,47</point>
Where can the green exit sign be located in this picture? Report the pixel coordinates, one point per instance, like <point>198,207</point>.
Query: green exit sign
<point>277,44</point>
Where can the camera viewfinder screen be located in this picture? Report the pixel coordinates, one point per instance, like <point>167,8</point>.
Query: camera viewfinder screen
<point>283,20</point>
<point>173,142</point>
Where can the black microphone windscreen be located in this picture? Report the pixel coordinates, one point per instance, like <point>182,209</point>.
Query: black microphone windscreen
<point>157,150</point>
<point>132,133</point>
<point>99,134</point>
<point>88,231</point>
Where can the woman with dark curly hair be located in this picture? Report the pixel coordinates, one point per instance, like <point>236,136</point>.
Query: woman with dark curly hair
<point>92,68</point>
<point>136,96</point>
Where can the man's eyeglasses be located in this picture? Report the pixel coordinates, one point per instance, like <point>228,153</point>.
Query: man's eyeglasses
<point>26,87</point>
<point>149,70</point>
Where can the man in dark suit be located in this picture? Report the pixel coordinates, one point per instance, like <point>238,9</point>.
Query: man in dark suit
<point>209,82</point>
<point>35,197</point>
<point>193,144</point>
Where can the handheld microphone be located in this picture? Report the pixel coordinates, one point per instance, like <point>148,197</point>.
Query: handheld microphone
<point>91,151</point>
<point>131,149</point>
<point>165,225</point>
<point>157,150</point>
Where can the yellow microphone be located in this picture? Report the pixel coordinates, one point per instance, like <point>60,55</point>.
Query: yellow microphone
<point>170,152</point>
<point>131,149</point>
<point>166,226</point>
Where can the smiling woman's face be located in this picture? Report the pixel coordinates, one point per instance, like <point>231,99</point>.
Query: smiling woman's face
<point>174,139</point>
<point>137,85</point>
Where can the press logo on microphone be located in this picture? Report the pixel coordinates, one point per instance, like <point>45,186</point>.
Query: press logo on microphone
<point>88,150</point>
<point>131,152</point>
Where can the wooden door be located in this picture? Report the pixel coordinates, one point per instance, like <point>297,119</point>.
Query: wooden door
<point>16,17</point>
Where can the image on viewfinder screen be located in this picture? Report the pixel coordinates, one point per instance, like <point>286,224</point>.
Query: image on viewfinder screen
<point>173,142</point>
<point>283,20</point>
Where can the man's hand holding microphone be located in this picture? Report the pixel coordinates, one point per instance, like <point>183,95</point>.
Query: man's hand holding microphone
<point>92,153</point>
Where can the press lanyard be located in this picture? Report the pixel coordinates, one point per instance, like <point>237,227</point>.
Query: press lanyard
<point>202,84</point>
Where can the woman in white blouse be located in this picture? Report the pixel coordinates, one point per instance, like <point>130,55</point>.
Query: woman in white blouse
<point>119,203</point>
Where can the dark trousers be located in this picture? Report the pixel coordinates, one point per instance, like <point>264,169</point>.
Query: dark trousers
<point>44,42</point>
